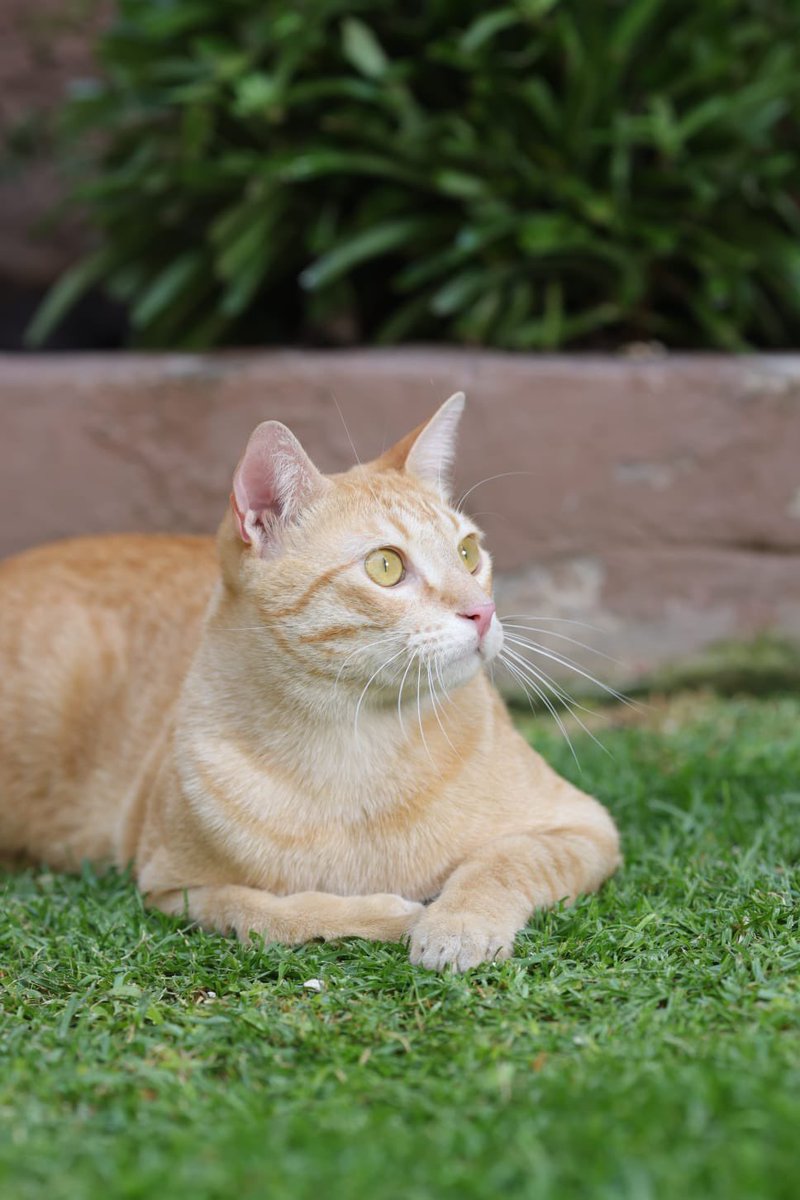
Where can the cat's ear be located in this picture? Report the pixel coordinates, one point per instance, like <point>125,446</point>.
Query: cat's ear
<point>429,451</point>
<point>274,481</point>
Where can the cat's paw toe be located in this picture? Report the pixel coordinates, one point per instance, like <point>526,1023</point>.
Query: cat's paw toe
<point>460,942</point>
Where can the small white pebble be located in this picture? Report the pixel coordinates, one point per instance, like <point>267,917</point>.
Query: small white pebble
<point>313,985</point>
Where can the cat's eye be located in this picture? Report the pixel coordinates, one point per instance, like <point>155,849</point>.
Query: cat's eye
<point>385,567</point>
<point>469,551</point>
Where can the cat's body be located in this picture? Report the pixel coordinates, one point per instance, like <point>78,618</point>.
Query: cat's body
<point>262,741</point>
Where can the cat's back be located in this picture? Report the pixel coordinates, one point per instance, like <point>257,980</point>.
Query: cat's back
<point>68,598</point>
<point>96,635</point>
<point>105,567</point>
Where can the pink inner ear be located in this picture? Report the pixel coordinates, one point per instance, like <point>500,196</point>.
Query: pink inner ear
<point>273,480</point>
<point>239,518</point>
<point>255,484</point>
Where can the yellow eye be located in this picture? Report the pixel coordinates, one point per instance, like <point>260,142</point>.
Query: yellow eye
<point>468,549</point>
<point>385,567</point>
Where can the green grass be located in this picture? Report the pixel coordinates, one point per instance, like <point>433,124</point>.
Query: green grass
<point>641,1045</point>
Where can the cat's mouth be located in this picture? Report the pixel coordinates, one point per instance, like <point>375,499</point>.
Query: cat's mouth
<point>463,661</point>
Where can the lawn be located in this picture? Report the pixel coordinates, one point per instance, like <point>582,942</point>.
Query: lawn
<point>644,1044</point>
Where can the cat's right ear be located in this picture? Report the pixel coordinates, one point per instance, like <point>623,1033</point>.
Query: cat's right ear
<point>274,481</point>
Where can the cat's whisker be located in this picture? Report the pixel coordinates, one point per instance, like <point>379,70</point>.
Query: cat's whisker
<point>419,711</point>
<point>573,666</point>
<point>525,683</point>
<point>361,650</point>
<point>558,689</point>
<point>346,430</point>
<point>564,637</point>
<point>352,444</point>
<point>374,675</point>
<point>561,695</point>
<point>488,479</point>
<point>432,691</point>
<point>535,679</point>
<point>547,617</point>
<point>400,694</point>
<point>556,686</point>
<point>442,683</point>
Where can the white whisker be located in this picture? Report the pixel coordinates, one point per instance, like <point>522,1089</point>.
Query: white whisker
<point>564,637</point>
<point>525,670</point>
<point>419,710</point>
<point>521,679</point>
<point>558,689</point>
<point>353,446</point>
<point>369,681</point>
<point>442,683</point>
<point>347,431</point>
<point>567,662</point>
<point>545,617</point>
<point>400,695</point>
<point>361,650</point>
<point>432,691</point>
<point>488,479</point>
<point>564,697</point>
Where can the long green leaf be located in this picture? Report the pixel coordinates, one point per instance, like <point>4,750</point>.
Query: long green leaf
<point>72,285</point>
<point>165,288</point>
<point>369,243</point>
<point>363,49</point>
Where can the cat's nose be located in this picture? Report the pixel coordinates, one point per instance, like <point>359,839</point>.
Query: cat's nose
<point>482,615</point>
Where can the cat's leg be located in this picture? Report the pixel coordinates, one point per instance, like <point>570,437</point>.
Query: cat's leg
<point>492,894</point>
<point>291,919</point>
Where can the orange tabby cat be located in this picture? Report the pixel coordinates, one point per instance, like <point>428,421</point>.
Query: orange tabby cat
<point>258,730</point>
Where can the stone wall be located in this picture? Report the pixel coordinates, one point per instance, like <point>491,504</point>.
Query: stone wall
<point>658,500</point>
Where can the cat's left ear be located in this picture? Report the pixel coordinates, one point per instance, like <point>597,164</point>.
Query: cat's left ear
<point>429,451</point>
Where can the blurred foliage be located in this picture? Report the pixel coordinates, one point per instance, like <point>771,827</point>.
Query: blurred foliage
<point>531,175</point>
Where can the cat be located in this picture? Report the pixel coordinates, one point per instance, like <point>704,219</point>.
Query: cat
<point>293,736</point>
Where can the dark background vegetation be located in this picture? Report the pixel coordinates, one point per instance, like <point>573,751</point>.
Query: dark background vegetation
<point>535,175</point>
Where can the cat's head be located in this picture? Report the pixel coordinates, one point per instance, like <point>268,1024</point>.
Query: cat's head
<point>372,577</point>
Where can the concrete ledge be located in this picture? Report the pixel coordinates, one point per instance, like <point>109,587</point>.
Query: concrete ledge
<point>658,499</point>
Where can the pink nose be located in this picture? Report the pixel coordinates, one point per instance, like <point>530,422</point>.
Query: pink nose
<point>482,615</point>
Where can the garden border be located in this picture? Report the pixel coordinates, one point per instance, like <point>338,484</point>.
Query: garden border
<point>659,499</point>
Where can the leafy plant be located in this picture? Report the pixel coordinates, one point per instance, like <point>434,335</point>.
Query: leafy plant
<point>532,175</point>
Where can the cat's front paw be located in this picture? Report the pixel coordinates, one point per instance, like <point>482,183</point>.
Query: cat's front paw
<point>458,940</point>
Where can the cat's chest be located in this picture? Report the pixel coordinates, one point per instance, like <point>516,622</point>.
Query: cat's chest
<point>279,836</point>
<point>400,849</point>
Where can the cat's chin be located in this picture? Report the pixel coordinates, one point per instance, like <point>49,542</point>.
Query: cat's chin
<point>460,670</point>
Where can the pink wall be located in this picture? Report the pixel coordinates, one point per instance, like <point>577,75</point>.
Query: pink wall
<point>658,499</point>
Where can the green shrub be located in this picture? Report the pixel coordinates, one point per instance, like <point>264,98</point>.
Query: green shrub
<point>531,175</point>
